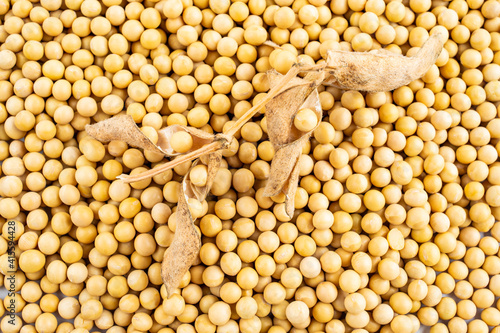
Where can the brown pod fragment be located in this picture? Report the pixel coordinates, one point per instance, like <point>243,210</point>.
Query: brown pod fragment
<point>380,70</point>
<point>184,248</point>
<point>200,192</point>
<point>122,128</point>
<point>186,243</point>
<point>213,164</point>
<point>286,139</point>
<point>200,138</point>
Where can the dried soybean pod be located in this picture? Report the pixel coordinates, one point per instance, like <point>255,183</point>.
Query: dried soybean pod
<point>380,70</point>
<point>122,128</point>
<point>201,192</point>
<point>286,139</point>
<point>184,248</point>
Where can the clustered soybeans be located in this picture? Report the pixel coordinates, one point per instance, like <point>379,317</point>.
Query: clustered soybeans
<point>395,222</point>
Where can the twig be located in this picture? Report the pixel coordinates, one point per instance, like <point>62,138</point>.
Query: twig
<point>172,164</point>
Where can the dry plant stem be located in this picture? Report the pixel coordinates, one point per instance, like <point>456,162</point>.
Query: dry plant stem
<point>210,148</point>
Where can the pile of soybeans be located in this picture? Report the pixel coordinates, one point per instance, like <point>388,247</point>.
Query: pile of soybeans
<point>396,216</point>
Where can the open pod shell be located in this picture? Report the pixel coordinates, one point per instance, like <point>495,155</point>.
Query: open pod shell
<point>286,139</point>
<point>123,128</point>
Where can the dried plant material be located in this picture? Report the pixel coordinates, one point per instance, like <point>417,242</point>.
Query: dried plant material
<point>184,248</point>
<point>380,70</point>
<point>200,138</point>
<point>213,165</point>
<point>122,128</point>
<point>221,140</point>
<point>201,192</point>
<point>190,156</point>
<point>281,110</point>
<point>186,243</point>
<point>373,71</point>
<point>284,175</point>
<point>286,139</point>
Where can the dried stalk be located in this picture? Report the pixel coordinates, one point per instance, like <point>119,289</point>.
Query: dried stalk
<point>210,148</point>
